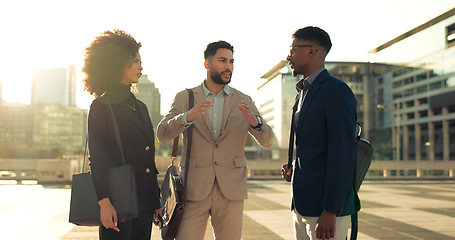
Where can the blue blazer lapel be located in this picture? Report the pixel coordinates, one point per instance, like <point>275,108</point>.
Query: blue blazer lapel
<point>312,91</point>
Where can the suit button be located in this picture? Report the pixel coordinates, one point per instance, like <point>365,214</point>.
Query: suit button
<point>147,148</point>
<point>147,170</point>
<point>216,163</point>
<point>216,145</point>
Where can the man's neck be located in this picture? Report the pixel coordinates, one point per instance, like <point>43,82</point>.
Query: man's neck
<point>212,86</point>
<point>314,68</point>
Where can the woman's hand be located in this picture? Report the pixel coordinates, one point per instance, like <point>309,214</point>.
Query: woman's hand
<point>108,214</point>
<point>158,212</point>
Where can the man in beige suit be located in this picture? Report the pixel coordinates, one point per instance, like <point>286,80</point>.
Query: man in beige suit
<point>222,117</point>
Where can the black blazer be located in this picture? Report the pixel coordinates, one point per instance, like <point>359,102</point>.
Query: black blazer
<point>137,137</point>
<point>325,149</point>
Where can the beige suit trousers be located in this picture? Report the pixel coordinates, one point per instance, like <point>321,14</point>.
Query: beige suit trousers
<point>226,217</point>
<point>305,227</point>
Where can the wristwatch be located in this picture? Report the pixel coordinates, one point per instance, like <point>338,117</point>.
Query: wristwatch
<point>259,123</point>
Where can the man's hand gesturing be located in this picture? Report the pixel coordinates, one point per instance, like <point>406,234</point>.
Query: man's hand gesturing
<point>198,110</point>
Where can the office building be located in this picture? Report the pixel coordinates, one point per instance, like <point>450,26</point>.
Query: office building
<point>416,99</point>
<point>41,130</point>
<point>150,95</point>
<point>56,85</point>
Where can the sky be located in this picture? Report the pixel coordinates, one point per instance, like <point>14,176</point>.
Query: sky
<point>174,34</point>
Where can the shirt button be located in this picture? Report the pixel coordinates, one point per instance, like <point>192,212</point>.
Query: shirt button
<point>147,170</point>
<point>147,148</point>
<point>216,145</point>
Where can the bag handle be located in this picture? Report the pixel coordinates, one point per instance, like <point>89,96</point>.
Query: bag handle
<point>117,134</point>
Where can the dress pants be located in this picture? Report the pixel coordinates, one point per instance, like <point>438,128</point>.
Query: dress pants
<point>305,227</point>
<point>139,228</point>
<point>226,217</point>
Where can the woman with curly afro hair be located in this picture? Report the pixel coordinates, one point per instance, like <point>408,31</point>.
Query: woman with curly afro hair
<point>112,64</point>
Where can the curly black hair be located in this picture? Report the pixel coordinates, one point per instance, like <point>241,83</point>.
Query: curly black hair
<point>106,58</point>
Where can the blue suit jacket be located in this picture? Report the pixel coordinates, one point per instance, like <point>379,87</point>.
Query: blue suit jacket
<point>325,149</point>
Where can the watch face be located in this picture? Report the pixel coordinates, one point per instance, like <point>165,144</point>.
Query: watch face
<point>259,121</point>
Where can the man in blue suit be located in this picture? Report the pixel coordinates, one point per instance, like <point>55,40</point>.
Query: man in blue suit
<point>324,122</point>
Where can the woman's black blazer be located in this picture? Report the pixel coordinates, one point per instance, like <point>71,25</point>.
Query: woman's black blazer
<point>136,132</point>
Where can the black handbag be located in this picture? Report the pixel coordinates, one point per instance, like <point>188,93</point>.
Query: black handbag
<point>364,154</point>
<point>121,184</point>
<point>173,190</point>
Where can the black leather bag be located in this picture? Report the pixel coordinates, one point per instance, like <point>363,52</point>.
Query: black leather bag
<point>121,181</point>
<point>84,208</point>
<point>364,154</point>
<point>173,188</point>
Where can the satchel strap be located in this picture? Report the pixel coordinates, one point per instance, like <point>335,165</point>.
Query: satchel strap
<point>117,134</point>
<point>188,145</point>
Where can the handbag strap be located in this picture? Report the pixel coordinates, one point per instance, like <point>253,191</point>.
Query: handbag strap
<point>117,134</point>
<point>85,152</point>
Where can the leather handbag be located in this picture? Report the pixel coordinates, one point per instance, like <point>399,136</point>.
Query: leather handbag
<point>173,189</point>
<point>121,184</point>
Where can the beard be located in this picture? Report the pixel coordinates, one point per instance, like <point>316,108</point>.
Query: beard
<point>216,77</point>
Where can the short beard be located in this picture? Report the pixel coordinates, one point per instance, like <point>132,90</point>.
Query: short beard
<point>216,77</point>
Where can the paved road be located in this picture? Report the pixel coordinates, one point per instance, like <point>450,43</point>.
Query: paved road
<point>391,210</point>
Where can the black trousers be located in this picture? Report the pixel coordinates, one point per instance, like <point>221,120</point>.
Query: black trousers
<point>139,228</point>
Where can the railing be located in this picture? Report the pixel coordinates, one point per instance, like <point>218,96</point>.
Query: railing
<point>61,170</point>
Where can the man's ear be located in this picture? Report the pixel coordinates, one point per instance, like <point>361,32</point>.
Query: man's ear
<point>206,64</point>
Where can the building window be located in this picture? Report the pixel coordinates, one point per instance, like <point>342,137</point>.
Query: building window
<point>450,35</point>
<point>396,84</point>
<point>409,92</point>
<point>408,80</point>
<point>435,85</point>
<point>421,77</point>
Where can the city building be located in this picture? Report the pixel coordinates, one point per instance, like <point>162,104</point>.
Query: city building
<point>16,125</point>
<point>416,99</point>
<point>56,85</point>
<point>150,95</point>
<point>59,128</point>
<point>41,130</point>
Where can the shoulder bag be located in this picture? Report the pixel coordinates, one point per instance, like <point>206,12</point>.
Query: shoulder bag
<point>121,183</point>
<point>173,190</point>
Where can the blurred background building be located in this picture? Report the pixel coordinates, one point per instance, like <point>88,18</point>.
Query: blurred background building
<point>51,126</point>
<point>57,85</point>
<point>416,100</point>
<point>150,95</point>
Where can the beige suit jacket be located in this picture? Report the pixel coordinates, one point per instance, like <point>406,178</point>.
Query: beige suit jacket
<point>223,159</point>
